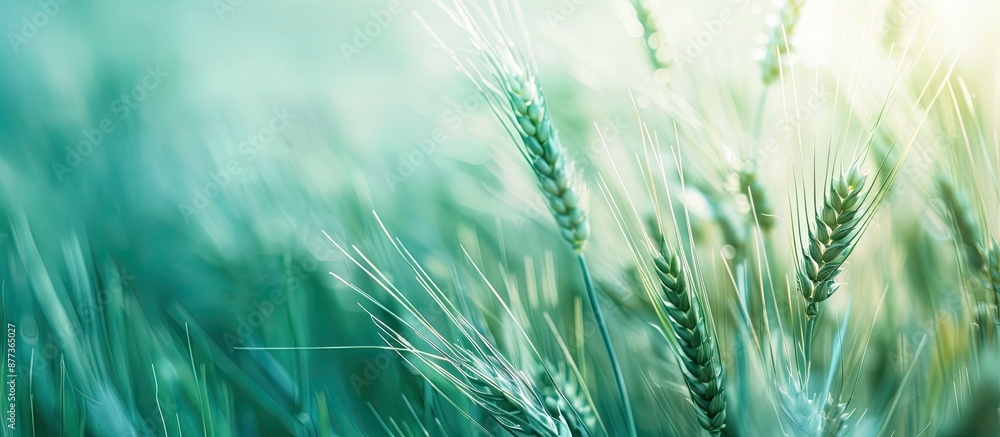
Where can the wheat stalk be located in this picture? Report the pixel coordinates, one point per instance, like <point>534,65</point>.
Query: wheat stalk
<point>779,46</point>
<point>702,366</point>
<point>511,85</point>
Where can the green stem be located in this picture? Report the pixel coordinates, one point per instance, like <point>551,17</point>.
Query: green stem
<point>599,316</point>
<point>807,352</point>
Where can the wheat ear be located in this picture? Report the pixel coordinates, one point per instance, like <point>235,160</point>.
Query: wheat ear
<point>547,156</point>
<point>697,350</point>
<point>835,417</point>
<point>511,86</point>
<point>963,221</point>
<point>563,396</point>
<point>779,45</point>
<point>981,254</point>
<point>832,238</point>
<point>653,39</point>
<point>506,396</point>
<point>549,162</point>
<point>505,73</point>
<point>800,410</point>
<point>993,273</point>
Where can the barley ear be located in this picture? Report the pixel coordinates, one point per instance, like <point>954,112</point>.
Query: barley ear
<point>697,350</point>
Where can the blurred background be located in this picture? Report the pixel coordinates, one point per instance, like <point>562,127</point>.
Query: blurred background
<point>168,171</point>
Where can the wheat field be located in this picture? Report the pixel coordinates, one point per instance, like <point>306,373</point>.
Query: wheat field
<point>500,217</point>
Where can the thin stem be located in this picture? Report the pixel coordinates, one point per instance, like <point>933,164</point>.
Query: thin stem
<point>742,359</point>
<point>599,316</point>
<point>807,352</point>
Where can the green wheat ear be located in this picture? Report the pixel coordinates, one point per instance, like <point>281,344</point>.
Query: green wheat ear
<point>992,257</point>
<point>547,157</point>
<point>507,397</point>
<point>703,370</point>
<point>800,411</point>
<point>653,38</point>
<point>503,70</point>
<point>563,396</point>
<point>835,417</point>
<point>963,220</point>
<point>779,46</point>
<point>832,238</point>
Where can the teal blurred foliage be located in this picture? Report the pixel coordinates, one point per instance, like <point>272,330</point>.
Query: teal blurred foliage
<point>167,173</point>
<point>176,177</point>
